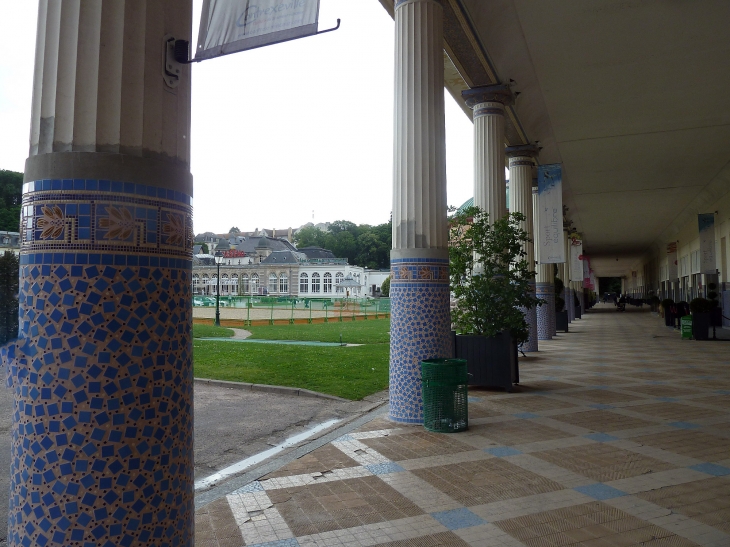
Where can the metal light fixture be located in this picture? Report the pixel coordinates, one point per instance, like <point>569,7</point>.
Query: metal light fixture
<point>218,261</point>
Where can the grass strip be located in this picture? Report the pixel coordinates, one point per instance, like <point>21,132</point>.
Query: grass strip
<point>375,331</point>
<point>348,372</point>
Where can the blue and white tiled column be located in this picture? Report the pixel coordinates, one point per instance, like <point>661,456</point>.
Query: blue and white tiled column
<point>521,164</point>
<point>546,312</point>
<point>102,425</point>
<point>420,321</point>
<point>420,328</point>
<point>102,443</point>
<point>532,326</point>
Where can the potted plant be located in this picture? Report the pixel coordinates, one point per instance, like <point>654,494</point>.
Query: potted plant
<point>490,282</point>
<point>701,308</point>
<point>561,314</point>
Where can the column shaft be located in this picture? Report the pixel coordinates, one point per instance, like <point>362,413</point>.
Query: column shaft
<point>419,289</point>
<point>102,442</point>
<point>544,286</point>
<point>521,163</point>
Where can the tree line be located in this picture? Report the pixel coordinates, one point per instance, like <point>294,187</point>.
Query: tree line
<point>363,245</point>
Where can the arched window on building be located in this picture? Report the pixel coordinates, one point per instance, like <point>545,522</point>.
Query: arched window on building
<point>224,284</point>
<point>196,284</point>
<point>273,282</point>
<point>315,282</point>
<point>205,288</point>
<point>214,284</point>
<point>245,287</point>
<point>338,279</point>
<point>283,283</point>
<point>234,284</point>
<point>327,282</point>
<point>303,283</point>
<point>255,284</point>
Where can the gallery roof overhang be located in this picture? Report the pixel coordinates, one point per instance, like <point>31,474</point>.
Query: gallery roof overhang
<point>631,96</point>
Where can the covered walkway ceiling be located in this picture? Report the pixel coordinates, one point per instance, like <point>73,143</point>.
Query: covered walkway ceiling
<point>631,96</point>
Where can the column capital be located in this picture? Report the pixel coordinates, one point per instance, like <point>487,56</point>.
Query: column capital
<point>500,93</point>
<point>522,151</point>
<point>399,3</point>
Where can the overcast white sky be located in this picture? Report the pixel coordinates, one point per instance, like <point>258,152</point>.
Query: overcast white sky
<point>278,132</point>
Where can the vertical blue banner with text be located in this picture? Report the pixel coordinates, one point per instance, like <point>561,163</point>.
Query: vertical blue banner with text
<point>549,224</point>
<point>706,224</point>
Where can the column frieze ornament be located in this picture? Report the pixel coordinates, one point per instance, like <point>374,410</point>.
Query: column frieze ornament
<point>523,154</point>
<point>399,3</point>
<point>499,93</point>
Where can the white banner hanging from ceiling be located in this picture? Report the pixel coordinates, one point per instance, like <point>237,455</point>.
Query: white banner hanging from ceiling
<point>576,257</point>
<point>707,243</point>
<point>228,26</point>
<point>672,270</point>
<point>549,224</point>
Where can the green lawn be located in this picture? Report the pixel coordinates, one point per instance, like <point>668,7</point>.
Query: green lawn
<point>372,331</point>
<point>209,331</point>
<point>349,372</point>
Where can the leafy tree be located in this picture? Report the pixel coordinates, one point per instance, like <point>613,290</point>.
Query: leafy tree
<point>489,274</point>
<point>204,248</point>
<point>9,273</point>
<point>234,230</point>
<point>11,195</point>
<point>385,288</point>
<point>364,245</point>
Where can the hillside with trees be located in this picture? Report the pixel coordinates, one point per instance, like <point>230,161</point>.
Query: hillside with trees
<point>363,245</point>
<point>11,189</point>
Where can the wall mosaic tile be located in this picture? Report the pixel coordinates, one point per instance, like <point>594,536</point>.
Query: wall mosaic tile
<point>102,446</point>
<point>420,328</point>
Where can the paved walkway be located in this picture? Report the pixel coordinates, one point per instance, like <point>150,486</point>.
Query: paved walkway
<point>618,435</point>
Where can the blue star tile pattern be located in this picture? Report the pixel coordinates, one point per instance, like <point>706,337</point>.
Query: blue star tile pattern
<point>420,328</point>
<point>600,491</point>
<point>525,415</point>
<point>601,437</point>
<point>384,468</point>
<point>458,518</point>
<point>684,425</point>
<point>502,451</point>
<point>102,371</point>
<point>292,542</point>
<point>712,469</point>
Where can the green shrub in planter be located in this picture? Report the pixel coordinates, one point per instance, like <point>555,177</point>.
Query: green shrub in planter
<point>489,274</point>
<point>701,305</point>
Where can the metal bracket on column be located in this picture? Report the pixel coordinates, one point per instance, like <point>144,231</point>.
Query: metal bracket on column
<point>171,68</point>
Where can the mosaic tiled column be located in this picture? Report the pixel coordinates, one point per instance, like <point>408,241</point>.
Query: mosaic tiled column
<point>420,321</point>
<point>490,188</point>
<point>521,163</point>
<point>102,442</point>
<point>544,287</point>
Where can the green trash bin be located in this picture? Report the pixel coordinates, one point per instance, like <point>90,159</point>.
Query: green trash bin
<point>445,399</point>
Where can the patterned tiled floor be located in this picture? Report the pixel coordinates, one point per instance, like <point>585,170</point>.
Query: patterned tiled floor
<point>618,435</point>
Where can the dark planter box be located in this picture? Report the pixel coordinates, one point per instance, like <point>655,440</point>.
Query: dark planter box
<point>701,326</point>
<point>490,361</point>
<point>577,312</point>
<point>716,317</point>
<point>561,321</point>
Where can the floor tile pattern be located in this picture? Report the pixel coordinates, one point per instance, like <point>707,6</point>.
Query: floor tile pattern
<point>602,444</point>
